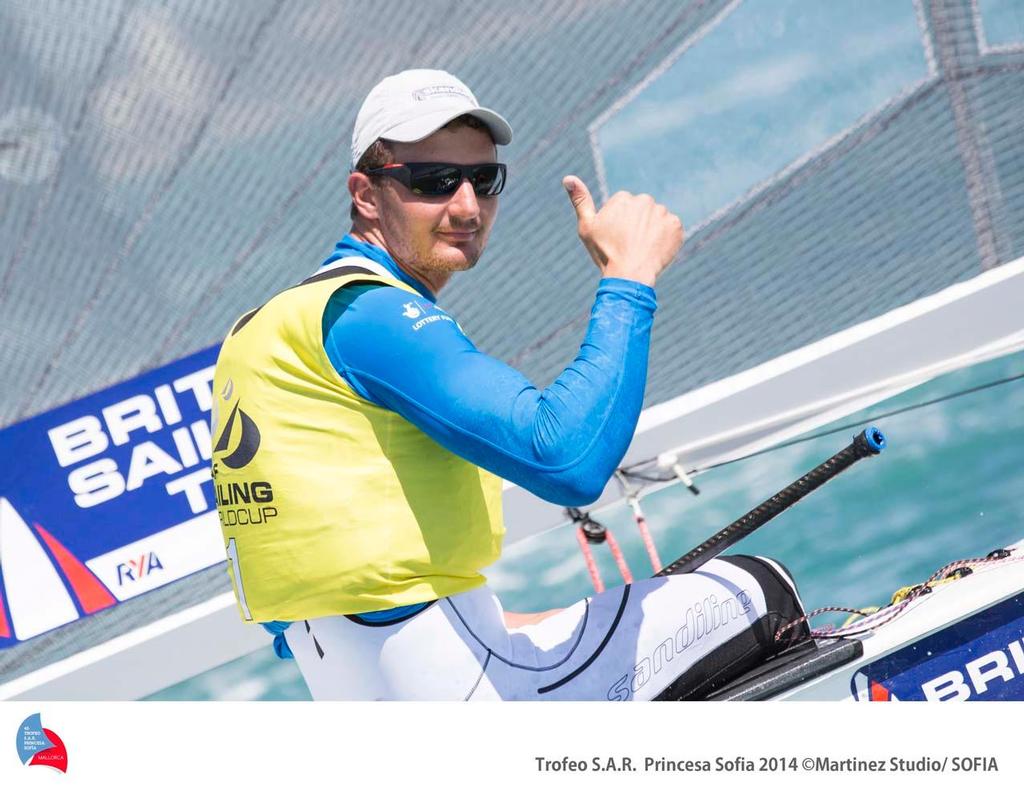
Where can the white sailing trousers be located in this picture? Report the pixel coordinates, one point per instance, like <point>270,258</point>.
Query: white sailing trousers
<point>672,637</point>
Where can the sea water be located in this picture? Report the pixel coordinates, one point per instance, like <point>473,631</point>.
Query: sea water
<point>949,485</point>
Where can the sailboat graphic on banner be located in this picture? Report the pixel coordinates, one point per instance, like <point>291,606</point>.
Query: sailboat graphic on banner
<point>35,566</point>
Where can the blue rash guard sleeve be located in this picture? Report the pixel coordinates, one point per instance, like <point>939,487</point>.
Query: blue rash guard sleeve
<point>562,443</point>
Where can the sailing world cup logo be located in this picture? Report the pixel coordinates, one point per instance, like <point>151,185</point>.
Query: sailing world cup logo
<point>248,440</point>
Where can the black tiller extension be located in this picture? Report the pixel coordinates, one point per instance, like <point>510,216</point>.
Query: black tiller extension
<point>868,442</point>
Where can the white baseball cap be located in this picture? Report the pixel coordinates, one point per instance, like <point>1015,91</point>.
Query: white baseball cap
<point>411,105</point>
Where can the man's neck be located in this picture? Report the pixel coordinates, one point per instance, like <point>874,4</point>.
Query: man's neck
<point>434,281</point>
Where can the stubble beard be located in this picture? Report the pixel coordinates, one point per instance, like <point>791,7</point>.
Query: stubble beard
<point>432,260</point>
<point>423,254</point>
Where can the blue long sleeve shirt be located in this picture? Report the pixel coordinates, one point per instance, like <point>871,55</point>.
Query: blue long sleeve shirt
<point>562,443</point>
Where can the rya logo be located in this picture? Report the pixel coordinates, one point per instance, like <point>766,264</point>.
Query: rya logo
<point>248,441</point>
<point>137,569</point>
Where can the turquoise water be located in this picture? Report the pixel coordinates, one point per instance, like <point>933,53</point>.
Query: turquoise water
<point>950,485</point>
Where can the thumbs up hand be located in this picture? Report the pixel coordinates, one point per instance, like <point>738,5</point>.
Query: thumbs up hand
<point>630,237</point>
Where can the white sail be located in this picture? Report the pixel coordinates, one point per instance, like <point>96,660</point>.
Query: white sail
<point>36,597</point>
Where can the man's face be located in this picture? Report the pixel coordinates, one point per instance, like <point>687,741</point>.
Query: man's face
<point>438,235</point>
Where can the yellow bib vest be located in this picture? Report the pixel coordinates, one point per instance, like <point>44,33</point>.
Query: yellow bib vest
<point>328,503</point>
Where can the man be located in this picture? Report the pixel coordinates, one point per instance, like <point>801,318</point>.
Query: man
<point>363,435</point>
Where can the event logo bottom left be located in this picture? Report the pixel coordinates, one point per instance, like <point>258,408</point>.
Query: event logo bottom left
<point>39,746</point>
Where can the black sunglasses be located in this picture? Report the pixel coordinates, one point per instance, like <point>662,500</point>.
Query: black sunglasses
<point>439,179</point>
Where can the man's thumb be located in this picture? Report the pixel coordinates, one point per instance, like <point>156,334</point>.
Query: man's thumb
<point>580,197</point>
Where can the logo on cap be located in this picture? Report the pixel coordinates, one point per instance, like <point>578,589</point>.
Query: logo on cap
<point>439,90</point>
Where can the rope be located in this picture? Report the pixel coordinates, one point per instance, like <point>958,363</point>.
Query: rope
<point>638,473</point>
<point>587,530</point>
<point>645,533</point>
<point>588,557</point>
<point>620,560</point>
<point>873,621</point>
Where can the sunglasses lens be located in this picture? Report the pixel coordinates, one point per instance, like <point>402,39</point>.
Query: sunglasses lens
<point>435,180</point>
<point>444,179</point>
<point>488,180</point>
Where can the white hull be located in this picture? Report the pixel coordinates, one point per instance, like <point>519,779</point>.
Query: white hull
<point>962,641</point>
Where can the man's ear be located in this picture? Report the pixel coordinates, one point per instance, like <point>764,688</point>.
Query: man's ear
<point>364,197</point>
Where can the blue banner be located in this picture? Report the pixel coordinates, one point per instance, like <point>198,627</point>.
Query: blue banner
<point>977,658</point>
<point>106,498</point>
